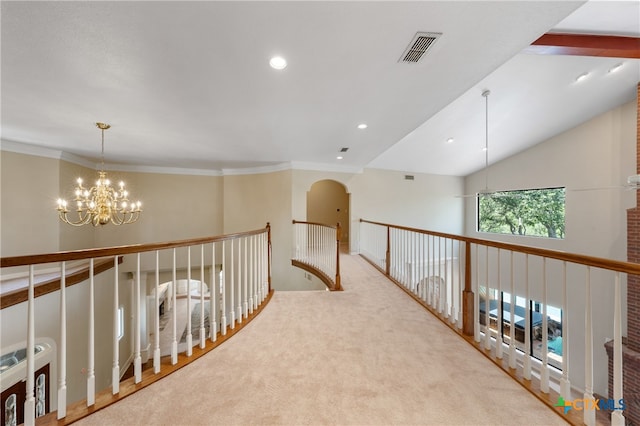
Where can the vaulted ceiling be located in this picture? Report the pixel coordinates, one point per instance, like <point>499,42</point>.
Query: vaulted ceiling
<point>188,84</point>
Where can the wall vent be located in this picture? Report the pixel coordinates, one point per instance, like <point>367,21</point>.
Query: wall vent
<point>408,177</point>
<point>420,44</point>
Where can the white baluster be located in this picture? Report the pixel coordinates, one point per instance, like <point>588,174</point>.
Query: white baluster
<point>589,415</point>
<point>447,286</point>
<point>441,291</point>
<point>265,262</point>
<point>250,276</point>
<point>499,324</point>
<point>260,269</point>
<point>156,318</point>
<point>203,338</point>
<point>62,355</point>
<point>460,284</point>
<point>223,302</point>
<point>137,358</point>
<point>174,315</point>
<point>115,367</point>
<point>423,266</point>
<point>617,419</point>
<point>239,308</point>
<point>452,287</point>
<point>487,302</point>
<point>512,325</point>
<point>254,270</point>
<point>91,378</point>
<point>414,268</point>
<point>213,294</point>
<point>429,288</point>
<point>30,400</point>
<point>232,285</point>
<point>565,384</point>
<point>245,306</point>
<point>544,370</point>
<point>189,334</point>
<point>476,300</point>
<point>526,373</point>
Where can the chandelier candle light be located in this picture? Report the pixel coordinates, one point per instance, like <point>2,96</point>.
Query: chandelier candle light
<point>101,204</point>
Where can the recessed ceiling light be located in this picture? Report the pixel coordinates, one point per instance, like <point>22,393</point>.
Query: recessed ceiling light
<point>615,68</point>
<point>278,63</point>
<point>450,140</point>
<point>484,149</point>
<point>362,126</point>
<point>582,76</point>
<point>339,157</point>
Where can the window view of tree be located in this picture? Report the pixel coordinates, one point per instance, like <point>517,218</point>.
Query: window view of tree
<point>532,212</point>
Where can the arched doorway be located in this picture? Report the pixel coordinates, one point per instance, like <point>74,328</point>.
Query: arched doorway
<point>328,203</point>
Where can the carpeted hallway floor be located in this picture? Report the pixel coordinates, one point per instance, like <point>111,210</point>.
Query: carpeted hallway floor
<point>368,355</point>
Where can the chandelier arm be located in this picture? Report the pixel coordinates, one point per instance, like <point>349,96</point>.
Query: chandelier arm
<point>82,220</point>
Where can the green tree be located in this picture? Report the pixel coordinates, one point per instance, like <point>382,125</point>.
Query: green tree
<point>538,212</point>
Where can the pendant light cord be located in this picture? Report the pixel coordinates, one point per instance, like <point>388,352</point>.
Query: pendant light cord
<point>486,94</point>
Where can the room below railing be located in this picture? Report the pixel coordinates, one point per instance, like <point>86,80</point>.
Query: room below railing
<point>316,249</point>
<point>521,306</point>
<point>208,287</point>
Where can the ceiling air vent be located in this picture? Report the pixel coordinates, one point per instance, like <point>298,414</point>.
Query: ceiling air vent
<point>408,177</point>
<point>344,149</point>
<point>418,47</point>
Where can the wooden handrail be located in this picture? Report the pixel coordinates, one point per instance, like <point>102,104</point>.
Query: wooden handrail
<point>315,223</point>
<point>598,262</point>
<point>53,284</point>
<point>62,256</point>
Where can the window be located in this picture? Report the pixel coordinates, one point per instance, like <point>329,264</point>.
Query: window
<point>554,324</point>
<point>532,212</point>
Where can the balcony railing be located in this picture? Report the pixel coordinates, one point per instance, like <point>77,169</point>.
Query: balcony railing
<point>531,310</point>
<point>220,282</point>
<point>316,248</point>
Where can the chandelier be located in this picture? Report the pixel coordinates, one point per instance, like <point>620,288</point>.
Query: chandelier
<point>102,203</point>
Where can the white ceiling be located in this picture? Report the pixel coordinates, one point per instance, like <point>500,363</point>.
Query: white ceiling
<point>188,85</point>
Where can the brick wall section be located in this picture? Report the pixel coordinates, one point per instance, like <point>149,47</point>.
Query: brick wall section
<point>631,348</point>
<point>630,382</point>
<point>633,255</point>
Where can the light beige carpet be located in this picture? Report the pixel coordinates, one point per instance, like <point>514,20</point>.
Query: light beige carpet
<point>367,356</point>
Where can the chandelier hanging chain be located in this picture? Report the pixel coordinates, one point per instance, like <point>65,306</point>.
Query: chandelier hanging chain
<point>102,127</point>
<point>102,203</point>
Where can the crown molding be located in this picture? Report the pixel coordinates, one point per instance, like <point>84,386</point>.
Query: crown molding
<point>294,165</point>
<point>39,151</point>
<point>257,170</point>
<point>162,170</point>
<point>325,167</point>
<point>27,149</point>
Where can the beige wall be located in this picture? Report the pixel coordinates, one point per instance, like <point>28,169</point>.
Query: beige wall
<point>597,154</point>
<point>174,207</point>
<point>28,221</point>
<point>382,195</point>
<point>250,201</point>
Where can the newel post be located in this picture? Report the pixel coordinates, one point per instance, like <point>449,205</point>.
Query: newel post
<point>338,238</point>
<point>387,262</point>
<point>467,294</point>
<point>269,255</point>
